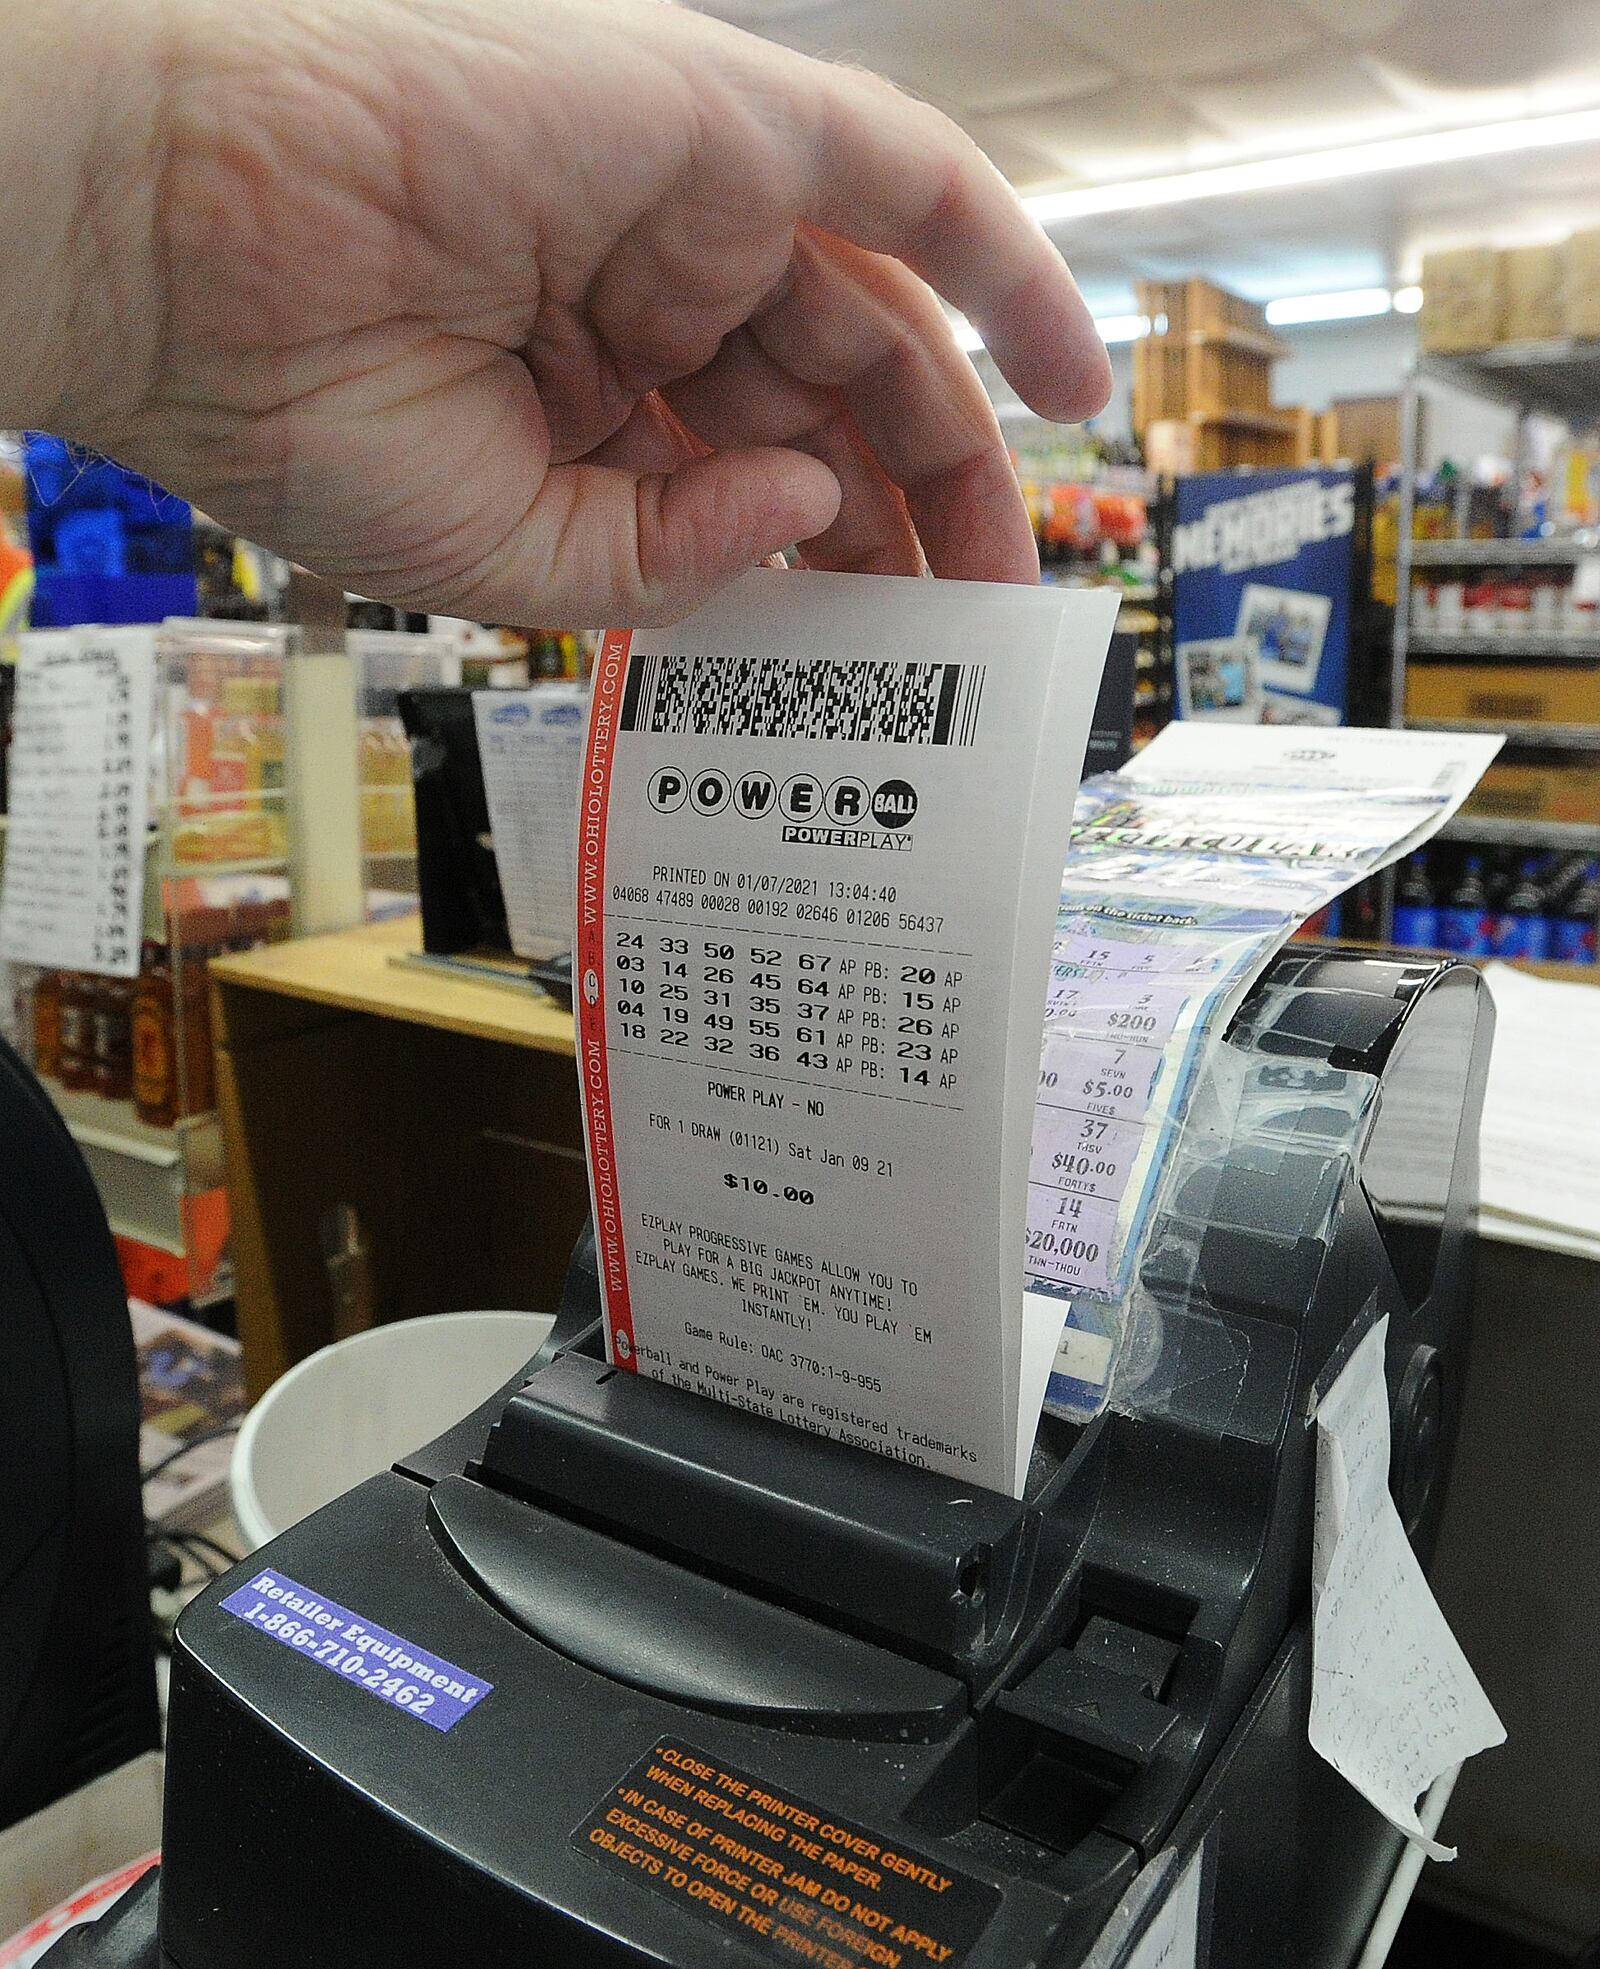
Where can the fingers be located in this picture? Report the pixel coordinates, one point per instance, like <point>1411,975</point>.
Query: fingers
<point>653,440</point>
<point>782,137</point>
<point>895,176</point>
<point>621,549</point>
<point>866,326</point>
<point>854,362</point>
<point>745,398</point>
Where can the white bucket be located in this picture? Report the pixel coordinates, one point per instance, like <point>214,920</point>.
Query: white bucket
<point>350,1410</point>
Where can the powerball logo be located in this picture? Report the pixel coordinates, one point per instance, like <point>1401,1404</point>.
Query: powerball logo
<point>847,813</point>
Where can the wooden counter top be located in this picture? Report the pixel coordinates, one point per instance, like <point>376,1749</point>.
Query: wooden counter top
<point>356,970</point>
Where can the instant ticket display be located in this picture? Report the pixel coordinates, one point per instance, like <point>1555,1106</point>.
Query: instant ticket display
<point>821,831</point>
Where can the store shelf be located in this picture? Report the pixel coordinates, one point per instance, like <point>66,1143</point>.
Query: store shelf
<point>175,871</point>
<point>1256,340</point>
<point>1276,421</point>
<point>1560,738</point>
<point>1502,553</point>
<point>142,1173</point>
<point>1537,649</point>
<point>1560,378</point>
<point>1581,837</point>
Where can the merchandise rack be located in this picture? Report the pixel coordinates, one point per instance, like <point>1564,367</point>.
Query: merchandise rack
<point>1559,379</point>
<point>1576,836</point>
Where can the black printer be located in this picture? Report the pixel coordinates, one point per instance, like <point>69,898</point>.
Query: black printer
<point>610,1675</point>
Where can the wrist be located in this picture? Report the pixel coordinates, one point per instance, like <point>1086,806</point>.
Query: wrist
<point>80,173</point>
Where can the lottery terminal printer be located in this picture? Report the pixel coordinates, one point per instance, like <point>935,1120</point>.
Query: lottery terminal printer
<point>742,1695</point>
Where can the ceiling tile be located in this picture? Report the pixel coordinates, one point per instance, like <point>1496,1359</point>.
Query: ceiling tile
<point>1360,20</point>
<point>758,14</point>
<point>1026,166</point>
<point>1327,96</point>
<point>978,55</point>
<point>1073,91</point>
<point>1128,130</point>
<point>1186,39</point>
<point>1489,44</point>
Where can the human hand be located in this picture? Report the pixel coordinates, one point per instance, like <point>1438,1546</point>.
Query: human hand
<point>565,310</point>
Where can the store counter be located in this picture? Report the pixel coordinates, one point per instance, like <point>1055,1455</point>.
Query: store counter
<point>441,1109</point>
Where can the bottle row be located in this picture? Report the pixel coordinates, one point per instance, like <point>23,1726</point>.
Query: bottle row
<point>147,1039</point>
<point>1503,903</point>
<point>1510,602</point>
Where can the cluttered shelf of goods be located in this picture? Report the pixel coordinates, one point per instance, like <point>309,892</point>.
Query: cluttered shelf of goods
<point>1500,574</point>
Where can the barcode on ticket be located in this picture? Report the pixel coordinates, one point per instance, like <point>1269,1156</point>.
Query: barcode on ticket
<point>863,701</point>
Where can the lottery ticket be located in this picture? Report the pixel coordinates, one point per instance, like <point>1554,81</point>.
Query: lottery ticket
<point>821,830</point>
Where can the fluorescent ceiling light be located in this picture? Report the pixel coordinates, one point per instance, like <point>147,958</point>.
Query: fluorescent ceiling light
<point>1122,327</point>
<point>1349,305</point>
<point>1319,166</point>
<point>1112,327</point>
<point>1291,311</point>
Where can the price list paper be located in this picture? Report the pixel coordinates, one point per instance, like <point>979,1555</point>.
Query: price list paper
<point>530,744</point>
<point>73,898</point>
<point>820,839</point>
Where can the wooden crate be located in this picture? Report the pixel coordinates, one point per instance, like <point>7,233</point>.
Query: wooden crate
<point>1208,362</point>
<point>1366,430</point>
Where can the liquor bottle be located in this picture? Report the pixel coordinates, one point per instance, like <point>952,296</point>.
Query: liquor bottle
<point>155,1053</point>
<point>1521,928</point>
<point>1416,915</point>
<point>47,1023</point>
<point>111,1031</point>
<point>1464,920</point>
<point>75,1046</point>
<point>1574,939</point>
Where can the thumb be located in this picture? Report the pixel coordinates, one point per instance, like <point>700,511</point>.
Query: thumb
<point>626,549</point>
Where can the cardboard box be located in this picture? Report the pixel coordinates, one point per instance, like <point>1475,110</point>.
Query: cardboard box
<point>1505,693</point>
<point>1171,447</point>
<point>1366,430</point>
<point>1533,283</point>
<point>1544,792</point>
<point>1461,305</point>
<point>1581,284</point>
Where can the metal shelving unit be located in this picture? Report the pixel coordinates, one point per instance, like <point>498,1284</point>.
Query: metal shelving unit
<point>1575,836</point>
<point>1559,378</point>
<point>1504,553</point>
<point>1536,649</point>
<point>1554,379</point>
<point>1560,738</point>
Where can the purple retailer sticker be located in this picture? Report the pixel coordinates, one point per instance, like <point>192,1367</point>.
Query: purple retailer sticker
<point>397,1672</point>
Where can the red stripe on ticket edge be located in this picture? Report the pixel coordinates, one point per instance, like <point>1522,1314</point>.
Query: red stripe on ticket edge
<point>589,1001</point>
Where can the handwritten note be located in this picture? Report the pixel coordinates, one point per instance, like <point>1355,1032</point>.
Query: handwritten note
<point>73,896</point>
<point>530,744</point>
<point>1394,1701</point>
<point>1172,1940</point>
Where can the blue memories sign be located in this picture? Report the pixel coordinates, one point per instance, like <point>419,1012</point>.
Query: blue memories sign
<point>1262,567</point>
